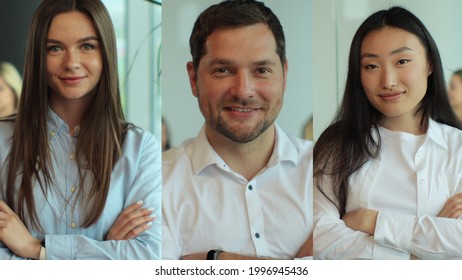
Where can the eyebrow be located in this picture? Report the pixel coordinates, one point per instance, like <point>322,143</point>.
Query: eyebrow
<point>399,50</point>
<point>84,39</point>
<point>221,61</point>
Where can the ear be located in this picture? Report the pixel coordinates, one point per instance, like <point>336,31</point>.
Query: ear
<point>286,68</point>
<point>192,77</point>
<point>430,69</point>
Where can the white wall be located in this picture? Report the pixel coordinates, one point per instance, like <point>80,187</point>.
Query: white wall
<point>335,23</point>
<point>178,104</point>
<point>143,105</point>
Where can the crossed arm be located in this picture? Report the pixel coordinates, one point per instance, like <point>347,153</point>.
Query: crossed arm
<point>427,242</point>
<point>131,222</point>
<point>305,250</point>
<point>365,220</point>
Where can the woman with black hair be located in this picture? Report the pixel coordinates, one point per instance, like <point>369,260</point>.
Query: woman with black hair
<point>387,170</point>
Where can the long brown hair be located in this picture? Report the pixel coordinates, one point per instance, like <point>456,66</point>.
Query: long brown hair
<point>102,129</point>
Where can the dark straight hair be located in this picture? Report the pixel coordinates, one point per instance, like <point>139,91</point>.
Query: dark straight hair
<point>352,138</point>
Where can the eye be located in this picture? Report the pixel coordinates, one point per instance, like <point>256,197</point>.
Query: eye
<point>221,71</point>
<point>88,47</point>
<point>371,67</point>
<point>262,71</point>
<point>403,61</point>
<point>54,49</point>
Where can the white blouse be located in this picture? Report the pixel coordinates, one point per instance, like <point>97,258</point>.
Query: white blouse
<point>409,186</point>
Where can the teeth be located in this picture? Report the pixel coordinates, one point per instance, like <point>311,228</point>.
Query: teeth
<point>242,109</point>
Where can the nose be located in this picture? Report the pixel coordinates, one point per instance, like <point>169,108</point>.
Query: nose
<point>72,60</point>
<point>389,78</point>
<point>243,84</point>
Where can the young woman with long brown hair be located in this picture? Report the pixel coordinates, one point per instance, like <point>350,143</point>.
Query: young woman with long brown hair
<point>70,162</point>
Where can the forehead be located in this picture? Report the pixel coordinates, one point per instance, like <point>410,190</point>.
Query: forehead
<point>241,41</point>
<point>71,24</point>
<point>388,39</point>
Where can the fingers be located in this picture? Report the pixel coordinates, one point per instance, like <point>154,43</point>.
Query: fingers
<point>453,207</point>
<point>137,225</point>
<point>129,213</point>
<point>139,230</point>
<point>131,222</point>
<point>133,207</point>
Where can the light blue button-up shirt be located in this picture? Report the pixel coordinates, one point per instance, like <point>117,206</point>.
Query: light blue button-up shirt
<point>136,176</point>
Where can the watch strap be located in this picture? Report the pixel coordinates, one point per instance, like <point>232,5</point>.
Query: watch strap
<point>213,254</point>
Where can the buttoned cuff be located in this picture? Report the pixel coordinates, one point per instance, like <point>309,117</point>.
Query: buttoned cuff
<point>60,247</point>
<point>394,230</point>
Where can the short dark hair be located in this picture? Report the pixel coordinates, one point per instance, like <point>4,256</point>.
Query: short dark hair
<point>232,14</point>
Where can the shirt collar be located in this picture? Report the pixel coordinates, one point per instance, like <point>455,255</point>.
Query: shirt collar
<point>55,124</point>
<point>434,133</point>
<point>202,154</point>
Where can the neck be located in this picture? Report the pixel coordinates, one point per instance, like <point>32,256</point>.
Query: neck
<point>409,124</point>
<point>71,111</point>
<point>247,159</point>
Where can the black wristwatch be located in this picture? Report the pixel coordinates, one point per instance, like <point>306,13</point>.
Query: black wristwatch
<point>213,254</point>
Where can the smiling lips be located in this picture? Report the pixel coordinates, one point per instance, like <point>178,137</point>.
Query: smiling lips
<point>72,80</point>
<point>242,110</point>
<point>391,96</point>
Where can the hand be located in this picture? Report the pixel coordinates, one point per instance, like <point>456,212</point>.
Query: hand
<point>452,208</point>
<point>15,235</point>
<point>222,256</point>
<point>361,219</point>
<point>131,222</point>
<point>307,248</point>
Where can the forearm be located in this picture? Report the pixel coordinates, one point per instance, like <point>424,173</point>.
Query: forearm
<point>306,249</point>
<point>80,247</point>
<point>224,256</point>
<point>425,237</point>
<point>332,238</point>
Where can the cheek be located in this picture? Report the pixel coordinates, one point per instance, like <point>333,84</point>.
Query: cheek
<point>457,89</point>
<point>52,66</point>
<point>369,85</point>
<point>418,80</point>
<point>96,66</point>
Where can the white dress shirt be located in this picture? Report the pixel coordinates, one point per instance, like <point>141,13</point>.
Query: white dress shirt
<point>206,205</point>
<point>401,230</point>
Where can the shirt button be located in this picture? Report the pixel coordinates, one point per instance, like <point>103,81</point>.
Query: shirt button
<point>257,235</point>
<point>250,187</point>
<point>71,156</point>
<point>73,189</point>
<point>421,181</point>
<point>73,225</point>
<point>53,133</point>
